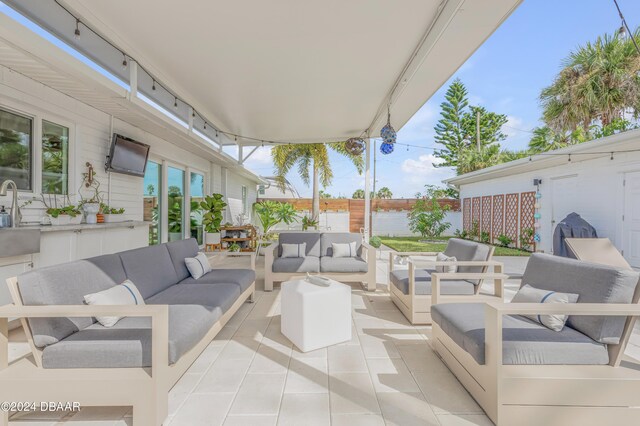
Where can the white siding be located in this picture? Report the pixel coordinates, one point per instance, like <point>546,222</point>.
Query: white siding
<point>598,195</point>
<point>90,141</point>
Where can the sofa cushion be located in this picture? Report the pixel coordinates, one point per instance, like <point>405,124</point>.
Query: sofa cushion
<point>311,238</point>
<point>151,268</point>
<point>65,284</point>
<point>124,294</point>
<point>343,264</point>
<point>328,238</point>
<point>400,279</point>
<point>296,264</point>
<point>464,250</point>
<point>179,251</point>
<point>242,277</point>
<point>594,283</point>
<point>198,266</point>
<point>215,295</point>
<point>293,250</point>
<point>128,343</point>
<point>524,341</point>
<point>110,264</point>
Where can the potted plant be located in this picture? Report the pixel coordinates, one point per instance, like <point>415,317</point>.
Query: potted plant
<point>309,224</point>
<point>234,247</point>
<point>90,206</point>
<point>212,207</point>
<point>113,215</point>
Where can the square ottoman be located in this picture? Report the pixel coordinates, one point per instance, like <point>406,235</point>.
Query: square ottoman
<point>314,316</point>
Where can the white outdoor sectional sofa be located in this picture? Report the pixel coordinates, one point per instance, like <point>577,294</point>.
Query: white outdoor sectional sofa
<point>523,373</point>
<point>138,360</point>
<point>319,259</point>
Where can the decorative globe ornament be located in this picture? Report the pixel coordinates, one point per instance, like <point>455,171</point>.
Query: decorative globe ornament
<point>388,133</point>
<point>536,238</point>
<point>537,216</point>
<point>355,146</point>
<point>538,195</point>
<point>386,148</point>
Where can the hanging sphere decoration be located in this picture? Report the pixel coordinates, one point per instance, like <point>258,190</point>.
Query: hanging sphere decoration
<point>388,133</point>
<point>355,146</point>
<point>386,148</point>
<point>538,195</point>
<point>536,238</point>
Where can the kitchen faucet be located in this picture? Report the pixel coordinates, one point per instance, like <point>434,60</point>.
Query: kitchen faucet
<point>16,217</point>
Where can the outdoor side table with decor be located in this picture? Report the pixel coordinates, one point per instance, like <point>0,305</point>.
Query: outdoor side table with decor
<point>314,316</point>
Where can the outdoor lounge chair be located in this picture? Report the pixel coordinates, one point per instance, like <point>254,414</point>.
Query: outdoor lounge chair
<point>523,373</point>
<point>412,289</point>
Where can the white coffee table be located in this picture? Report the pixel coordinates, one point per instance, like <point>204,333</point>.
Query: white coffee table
<point>313,316</point>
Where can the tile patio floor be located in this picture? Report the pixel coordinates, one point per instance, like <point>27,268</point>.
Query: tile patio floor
<point>252,375</point>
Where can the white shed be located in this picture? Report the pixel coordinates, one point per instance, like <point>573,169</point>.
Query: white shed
<point>599,180</point>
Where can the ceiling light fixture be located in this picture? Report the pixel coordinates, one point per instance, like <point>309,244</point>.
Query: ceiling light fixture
<point>153,85</point>
<point>77,31</point>
<point>124,61</point>
<point>175,102</point>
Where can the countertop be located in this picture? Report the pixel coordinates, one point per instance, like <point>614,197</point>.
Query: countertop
<point>82,226</point>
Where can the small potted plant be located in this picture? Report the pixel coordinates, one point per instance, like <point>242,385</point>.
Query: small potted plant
<point>212,207</point>
<point>113,215</point>
<point>309,224</point>
<point>90,206</point>
<point>234,247</point>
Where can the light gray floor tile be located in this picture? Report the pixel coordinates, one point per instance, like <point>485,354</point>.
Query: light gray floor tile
<point>309,409</point>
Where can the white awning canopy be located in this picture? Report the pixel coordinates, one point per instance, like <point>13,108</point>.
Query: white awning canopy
<point>298,71</point>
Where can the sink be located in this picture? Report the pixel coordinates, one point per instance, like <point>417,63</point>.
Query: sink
<point>19,241</point>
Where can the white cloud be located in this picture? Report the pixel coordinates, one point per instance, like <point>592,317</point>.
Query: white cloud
<point>261,156</point>
<point>513,126</point>
<point>421,171</point>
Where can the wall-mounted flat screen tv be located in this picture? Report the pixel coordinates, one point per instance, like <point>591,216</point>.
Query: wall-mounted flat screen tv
<point>127,156</point>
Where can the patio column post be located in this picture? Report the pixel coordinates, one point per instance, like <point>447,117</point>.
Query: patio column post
<point>367,196</point>
<point>223,191</point>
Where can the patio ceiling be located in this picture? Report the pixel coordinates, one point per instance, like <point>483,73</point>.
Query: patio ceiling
<point>299,71</point>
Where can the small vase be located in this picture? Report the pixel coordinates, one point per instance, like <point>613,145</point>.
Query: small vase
<point>91,211</point>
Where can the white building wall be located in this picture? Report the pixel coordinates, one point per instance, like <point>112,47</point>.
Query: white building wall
<point>396,224</point>
<point>596,193</point>
<point>234,195</point>
<point>90,140</point>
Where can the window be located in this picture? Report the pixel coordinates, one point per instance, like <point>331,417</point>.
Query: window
<point>197,194</point>
<point>55,158</point>
<point>151,200</point>
<point>175,214</point>
<point>16,148</point>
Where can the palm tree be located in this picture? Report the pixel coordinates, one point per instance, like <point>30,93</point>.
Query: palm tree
<point>545,139</point>
<point>471,159</point>
<point>599,82</point>
<point>385,193</point>
<point>314,157</point>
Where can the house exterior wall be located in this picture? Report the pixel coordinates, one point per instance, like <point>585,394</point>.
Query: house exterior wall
<point>595,191</point>
<point>90,140</point>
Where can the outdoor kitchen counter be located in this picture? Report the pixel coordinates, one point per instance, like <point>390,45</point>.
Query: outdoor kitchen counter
<point>83,226</point>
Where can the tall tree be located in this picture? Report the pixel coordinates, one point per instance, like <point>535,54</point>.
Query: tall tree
<point>598,83</point>
<point>312,161</point>
<point>471,159</point>
<point>385,193</point>
<point>449,129</point>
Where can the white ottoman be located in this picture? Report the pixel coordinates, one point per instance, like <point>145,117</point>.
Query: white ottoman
<point>315,316</point>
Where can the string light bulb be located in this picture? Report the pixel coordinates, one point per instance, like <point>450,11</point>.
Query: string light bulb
<point>153,85</point>
<point>569,158</point>
<point>124,61</point>
<point>175,102</point>
<point>205,127</point>
<point>611,155</point>
<point>76,33</point>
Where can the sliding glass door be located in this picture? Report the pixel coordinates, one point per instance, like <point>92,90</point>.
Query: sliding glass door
<point>152,200</point>
<point>196,192</point>
<point>175,197</point>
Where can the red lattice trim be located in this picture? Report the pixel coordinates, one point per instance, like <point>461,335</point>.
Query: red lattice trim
<point>486,215</point>
<point>498,215</point>
<point>466,214</point>
<point>511,216</point>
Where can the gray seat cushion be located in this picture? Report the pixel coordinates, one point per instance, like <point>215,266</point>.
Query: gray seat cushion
<point>150,269</point>
<point>328,238</point>
<point>242,277</point>
<point>594,283</point>
<point>400,279</point>
<point>180,250</point>
<point>128,343</point>
<point>524,341</point>
<point>66,284</point>
<point>465,250</point>
<point>342,264</point>
<point>215,295</point>
<point>311,238</point>
<point>296,264</point>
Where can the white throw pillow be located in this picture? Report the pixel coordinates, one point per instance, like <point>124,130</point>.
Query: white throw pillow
<point>344,250</point>
<point>294,250</point>
<point>450,269</point>
<point>124,294</point>
<point>528,294</point>
<point>198,266</point>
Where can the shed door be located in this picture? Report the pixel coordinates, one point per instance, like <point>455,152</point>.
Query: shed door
<point>631,234</point>
<point>563,199</point>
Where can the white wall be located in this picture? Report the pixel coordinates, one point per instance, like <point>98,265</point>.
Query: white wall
<point>598,193</point>
<point>90,141</point>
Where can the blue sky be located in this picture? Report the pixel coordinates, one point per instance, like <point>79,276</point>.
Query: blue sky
<point>505,75</point>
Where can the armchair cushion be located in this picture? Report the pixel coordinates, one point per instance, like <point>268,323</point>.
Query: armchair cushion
<point>312,239</point>
<point>524,341</point>
<point>594,283</point>
<point>464,250</point>
<point>449,269</point>
<point>241,277</point>
<point>400,279</point>
<point>128,343</point>
<point>343,264</point>
<point>327,239</point>
<point>296,264</point>
<point>528,294</point>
